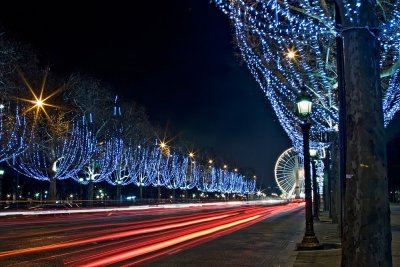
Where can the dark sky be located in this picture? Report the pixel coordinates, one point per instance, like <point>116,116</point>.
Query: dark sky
<point>176,58</point>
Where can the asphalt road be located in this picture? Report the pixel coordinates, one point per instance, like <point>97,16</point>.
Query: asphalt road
<point>146,237</point>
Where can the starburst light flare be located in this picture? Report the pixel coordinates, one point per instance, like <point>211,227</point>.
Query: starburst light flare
<point>39,101</point>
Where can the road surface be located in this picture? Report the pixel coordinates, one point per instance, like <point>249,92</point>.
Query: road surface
<point>121,238</point>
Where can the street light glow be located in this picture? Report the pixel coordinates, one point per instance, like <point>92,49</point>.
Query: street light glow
<point>291,54</point>
<point>39,101</point>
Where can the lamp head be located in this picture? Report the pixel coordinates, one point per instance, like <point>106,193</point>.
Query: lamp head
<point>313,152</point>
<point>304,103</point>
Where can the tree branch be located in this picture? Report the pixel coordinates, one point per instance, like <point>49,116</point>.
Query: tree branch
<point>391,70</point>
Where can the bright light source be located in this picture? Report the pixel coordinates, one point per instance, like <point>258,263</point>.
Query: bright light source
<point>39,103</point>
<point>291,54</point>
<point>313,152</point>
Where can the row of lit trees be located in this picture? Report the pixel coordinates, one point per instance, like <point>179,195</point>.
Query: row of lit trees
<point>56,151</point>
<point>80,131</point>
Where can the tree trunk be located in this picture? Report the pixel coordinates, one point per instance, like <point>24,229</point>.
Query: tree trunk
<point>327,187</point>
<point>118,198</point>
<point>90,193</point>
<point>53,190</point>
<point>366,239</point>
<point>1,188</point>
<point>335,187</point>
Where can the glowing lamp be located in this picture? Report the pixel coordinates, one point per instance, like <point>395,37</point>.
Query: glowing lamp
<point>39,103</point>
<point>313,152</point>
<point>304,103</point>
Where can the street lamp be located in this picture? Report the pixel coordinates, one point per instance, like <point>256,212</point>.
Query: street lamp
<point>313,156</point>
<point>304,105</point>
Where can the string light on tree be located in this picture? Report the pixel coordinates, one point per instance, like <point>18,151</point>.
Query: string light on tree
<point>12,133</point>
<point>265,29</point>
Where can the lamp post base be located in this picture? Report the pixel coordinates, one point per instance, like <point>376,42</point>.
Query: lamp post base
<point>309,242</point>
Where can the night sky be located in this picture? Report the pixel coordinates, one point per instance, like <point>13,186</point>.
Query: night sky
<point>176,58</point>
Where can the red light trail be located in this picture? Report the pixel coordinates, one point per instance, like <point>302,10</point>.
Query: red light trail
<point>81,241</point>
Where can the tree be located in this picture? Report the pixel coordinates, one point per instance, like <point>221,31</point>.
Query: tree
<point>60,142</point>
<point>58,150</point>
<point>287,44</point>
<point>367,232</point>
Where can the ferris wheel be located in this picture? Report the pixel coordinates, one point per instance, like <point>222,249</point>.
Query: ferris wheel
<point>289,173</point>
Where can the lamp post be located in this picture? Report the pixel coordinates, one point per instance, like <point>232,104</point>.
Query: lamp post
<point>304,105</point>
<point>313,156</point>
<point>1,185</point>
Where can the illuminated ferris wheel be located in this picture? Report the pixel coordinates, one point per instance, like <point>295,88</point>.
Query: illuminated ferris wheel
<point>289,174</point>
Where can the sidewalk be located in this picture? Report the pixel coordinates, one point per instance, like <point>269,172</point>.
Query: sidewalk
<point>327,233</point>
